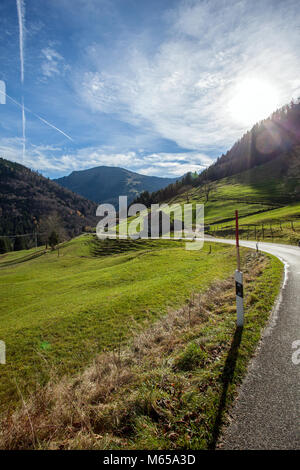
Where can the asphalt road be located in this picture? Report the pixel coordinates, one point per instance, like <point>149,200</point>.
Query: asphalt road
<point>266,414</point>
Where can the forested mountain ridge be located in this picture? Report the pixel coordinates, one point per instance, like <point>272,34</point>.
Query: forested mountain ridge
<point>27,198</point>
<point>264,142</point>
<point>275,139</point>
<point>104,184</point>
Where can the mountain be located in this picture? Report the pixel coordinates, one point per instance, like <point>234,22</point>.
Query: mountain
<point>27,198</point>
<point>104,184</point>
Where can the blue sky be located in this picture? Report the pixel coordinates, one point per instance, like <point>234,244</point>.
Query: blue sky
<point>152,86</point>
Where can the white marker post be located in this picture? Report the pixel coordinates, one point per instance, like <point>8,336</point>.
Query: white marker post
<point>238,278</point>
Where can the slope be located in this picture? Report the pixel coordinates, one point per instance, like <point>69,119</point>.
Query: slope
<point>266,196</point>
<point>27,198</point>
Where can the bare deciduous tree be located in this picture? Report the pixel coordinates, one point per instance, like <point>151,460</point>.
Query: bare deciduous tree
<point>207,188</point>
<point>49,225</point>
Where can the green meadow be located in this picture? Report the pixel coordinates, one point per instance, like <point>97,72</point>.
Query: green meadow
<point>265,202</point>
<point>144,333</point>
<point>57,312</point>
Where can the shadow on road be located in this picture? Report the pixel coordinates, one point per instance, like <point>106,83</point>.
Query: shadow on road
<point>226,379</point>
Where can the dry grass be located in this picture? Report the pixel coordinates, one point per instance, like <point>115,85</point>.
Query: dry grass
<point>101,407</point>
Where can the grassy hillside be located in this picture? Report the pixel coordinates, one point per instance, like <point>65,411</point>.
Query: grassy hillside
<point>60,311</point>
<point>267,198</point>
<point>278,225</point>
<point>155,324</point>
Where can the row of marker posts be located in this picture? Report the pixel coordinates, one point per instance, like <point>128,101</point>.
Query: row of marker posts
<point>239,290</point>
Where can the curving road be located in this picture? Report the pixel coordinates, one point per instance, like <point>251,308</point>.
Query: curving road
<point>266,414</point>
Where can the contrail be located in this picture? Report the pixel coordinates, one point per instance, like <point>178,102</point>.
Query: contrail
<point>23,129</point>
<point>52,125</point>
<point>37,116</point>
<point>21,19</point>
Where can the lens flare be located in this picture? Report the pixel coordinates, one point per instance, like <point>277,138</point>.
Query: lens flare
<point>253,100</point>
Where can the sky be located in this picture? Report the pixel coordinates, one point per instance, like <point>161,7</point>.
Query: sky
<point>157,87</point>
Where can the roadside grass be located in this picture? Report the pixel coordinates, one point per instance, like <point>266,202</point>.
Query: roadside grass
<point>169,387</point>
<point>58,312</point>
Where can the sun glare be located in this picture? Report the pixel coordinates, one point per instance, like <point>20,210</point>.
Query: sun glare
<point>253,101</point>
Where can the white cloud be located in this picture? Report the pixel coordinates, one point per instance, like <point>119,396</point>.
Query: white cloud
<point>36,157</point>
<point>182,90</point>
<point>53,62</point>
<point>54,160</point>
<point>178,89</point>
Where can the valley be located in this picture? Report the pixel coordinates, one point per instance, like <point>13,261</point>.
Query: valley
<point>133,343</point>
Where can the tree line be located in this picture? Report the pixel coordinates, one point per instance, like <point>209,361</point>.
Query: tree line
<point>49,231</point>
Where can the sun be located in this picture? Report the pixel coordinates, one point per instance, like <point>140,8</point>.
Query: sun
<point>254,99</point>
